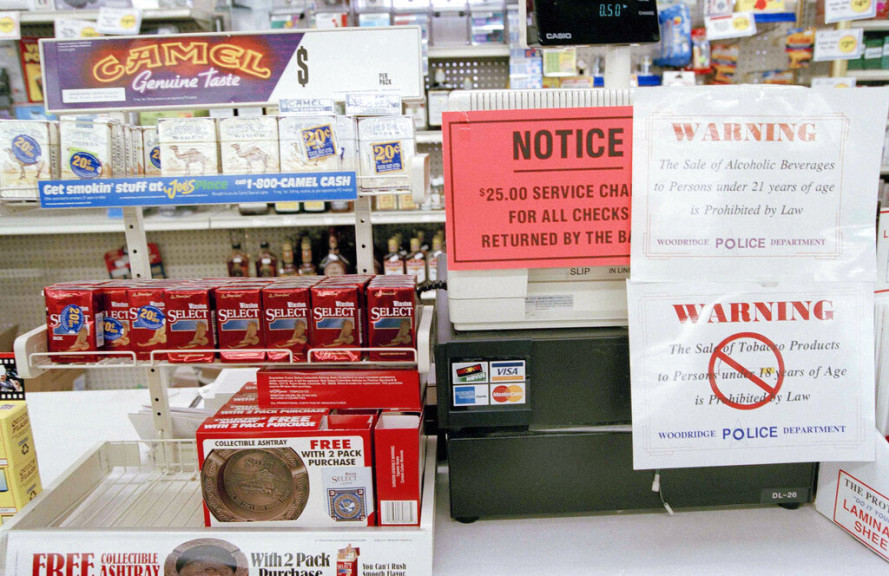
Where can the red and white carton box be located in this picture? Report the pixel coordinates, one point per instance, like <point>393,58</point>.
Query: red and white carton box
<point>116,315</point>
<point>285,318</point>
<point>313,470</point>
<point>338,305</point>
<point>238,313</point>
<point>370,389</point>
<point>74,321</point>
<point>244,403</point>
<point>392,317</point>
<point>191,322</point>
<point>399,459</point>
<point>148,321</point>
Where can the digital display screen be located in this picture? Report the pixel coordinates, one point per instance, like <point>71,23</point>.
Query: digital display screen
<point>582,22</point>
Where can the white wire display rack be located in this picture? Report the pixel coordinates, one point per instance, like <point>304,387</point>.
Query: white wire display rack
<point>151,490</point>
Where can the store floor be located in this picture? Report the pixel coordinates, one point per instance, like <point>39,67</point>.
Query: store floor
<point>750,541</point>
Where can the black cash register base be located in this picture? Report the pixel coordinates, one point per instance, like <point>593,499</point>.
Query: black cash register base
<point>538,422</point>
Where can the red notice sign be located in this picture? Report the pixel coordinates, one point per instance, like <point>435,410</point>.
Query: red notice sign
<point>538,188</point>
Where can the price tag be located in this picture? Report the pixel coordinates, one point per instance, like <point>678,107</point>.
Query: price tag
<point>823,82</point>
<point>560,62</point>
<point>737,25</point>
<point>75,29</point>
<point>840,10</point>
<point>838,44</point>
<point>123,21</point>
<point>306,106</point>
<point>10,27</point>
<point>373,104</point>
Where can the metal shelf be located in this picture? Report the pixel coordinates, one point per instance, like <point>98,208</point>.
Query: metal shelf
<point>151,490</point>
<point>488,51</point>
<point>871,25</point>
<point>49,17</point>
<point>869,75</point>
<point>33,358</point>
<point>230,218</point>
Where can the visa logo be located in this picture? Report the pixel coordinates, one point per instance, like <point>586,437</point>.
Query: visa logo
<point>507,371</point>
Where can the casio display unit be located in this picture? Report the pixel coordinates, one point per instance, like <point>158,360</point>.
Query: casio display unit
<point>582,22</point>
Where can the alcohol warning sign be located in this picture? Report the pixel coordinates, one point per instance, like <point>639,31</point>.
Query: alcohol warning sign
<point>752,375</point>
<point>538,188</point>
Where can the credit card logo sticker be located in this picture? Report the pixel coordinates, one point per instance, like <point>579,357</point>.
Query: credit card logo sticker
<point>470,395</point>
<point>508,394</point>
<point>464,372</point>
<point>508,371</point>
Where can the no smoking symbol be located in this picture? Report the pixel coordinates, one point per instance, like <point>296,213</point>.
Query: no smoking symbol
<point>738,369</point>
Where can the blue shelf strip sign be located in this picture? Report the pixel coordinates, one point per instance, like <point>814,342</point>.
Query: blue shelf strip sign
<point>186,190</point>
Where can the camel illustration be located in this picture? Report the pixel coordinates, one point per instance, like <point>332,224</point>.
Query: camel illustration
<point>404,334</point>
<point>298,336</point>
<point>124,339</point>
<point>189,158</point>
<point>22,165</point>
<point>250,337</point>
<point>83,340</point>
<point>159,337</point>
<point>253,155</point>
<point>345,336</point>
<point>200,336</point>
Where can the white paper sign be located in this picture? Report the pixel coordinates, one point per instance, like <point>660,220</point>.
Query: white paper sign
<point>69,28</point>
<point>746,183</point>
<point>736,25</point>
<point>839,10</point>
<point>826,82</point>
<point>838,44</point>
<point>10,26</point>
<point>855,496</point>
<point>739,374</point>
<point>123,21</point>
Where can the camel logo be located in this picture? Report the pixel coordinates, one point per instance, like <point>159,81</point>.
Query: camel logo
<point>26,150</point>
<point>71,320</point>
<point>179,188</point>
<point>85,165</point>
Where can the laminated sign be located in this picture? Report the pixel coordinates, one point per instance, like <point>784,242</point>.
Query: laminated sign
<point>727,374</point>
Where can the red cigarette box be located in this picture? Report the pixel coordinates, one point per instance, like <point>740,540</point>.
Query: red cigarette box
<point>311,470</point>
<point>373,389</point>
<point>285,313</point>
<point>238,309</point>
<point>392,317</point>
<point>191,322</point>
<point>400,453</point>
<point>74,321</point>
<point>116,315</point>
<point>337,318</point>
<point>148,326</point>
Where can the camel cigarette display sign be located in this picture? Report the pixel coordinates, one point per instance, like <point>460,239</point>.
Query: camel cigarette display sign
<point>207,70</point>
<point>163,191</point>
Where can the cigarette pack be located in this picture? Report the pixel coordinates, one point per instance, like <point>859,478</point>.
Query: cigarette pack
<point>74,321</point>
<point>238,318</point>
<point>151,151</point>
<point>392,316</point>
<point>137,147</point>
<point>26,155</point>
<point>337,317</point>
<point>285,309</point>
<point>87,148</point>
<point>191,322</point>
<point>148,322</point>
<point>399,452</point>
<point>347,561</point>
<point>308,143</point>
<point>188,146</point>
<point>386,145</point>
<point>313,470</point>
<point>249,145</point>
<point>354,389</point>
<point>116,315</point>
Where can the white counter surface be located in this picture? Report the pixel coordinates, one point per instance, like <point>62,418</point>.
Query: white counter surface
<point>749,541</point>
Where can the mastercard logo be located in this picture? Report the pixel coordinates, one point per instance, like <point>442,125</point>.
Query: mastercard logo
<point>504,394</point>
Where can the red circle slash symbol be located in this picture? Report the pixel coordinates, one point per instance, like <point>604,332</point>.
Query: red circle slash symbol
<point>739,373</point>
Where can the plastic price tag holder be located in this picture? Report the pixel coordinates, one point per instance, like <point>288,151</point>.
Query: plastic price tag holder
<point>122,21</point>
<point>306,106</point>
<point>373,104</point>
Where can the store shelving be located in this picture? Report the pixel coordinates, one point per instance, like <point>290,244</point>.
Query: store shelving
<point>869,75</point>
<point>429,137</point>
<point>48,17</point>
<point>871,25</point>
<point>482,51</point>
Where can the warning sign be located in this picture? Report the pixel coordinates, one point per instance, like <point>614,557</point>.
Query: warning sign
<point>538,188</point>
<point>863,512</point>
<point>751,376</point>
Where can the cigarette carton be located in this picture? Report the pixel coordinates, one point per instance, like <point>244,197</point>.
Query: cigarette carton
<point>87,148</point>
<point>191,322</point>
<point>238,318</point>
<point>249,145</point>
<point>399,453</point>
<point>148,321</point>
<point>354,389</point>
<point>188,146</point>
<point>27,155</point>
<point>285,309</point>
<point>74,321</point>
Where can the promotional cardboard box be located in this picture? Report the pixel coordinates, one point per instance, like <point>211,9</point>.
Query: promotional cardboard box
<point>313,470</point>
<point>19,474</point>
<point>374,389</point>
<point>399,452</point>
